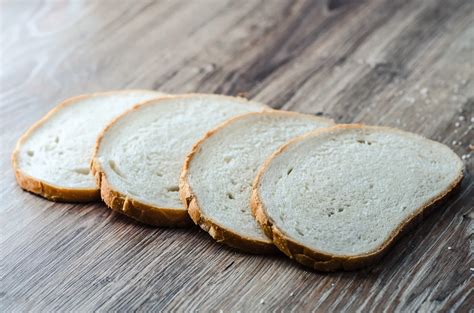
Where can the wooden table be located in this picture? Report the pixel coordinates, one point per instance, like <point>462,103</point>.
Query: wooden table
<point>407,64</point>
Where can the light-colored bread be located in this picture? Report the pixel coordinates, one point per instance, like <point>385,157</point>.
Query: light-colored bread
<point>52,158</point>
<point>217,176</point>
<point>139,156</point>
<point>339,197</point>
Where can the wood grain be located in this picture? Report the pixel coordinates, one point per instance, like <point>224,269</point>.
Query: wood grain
<point>408,64</point>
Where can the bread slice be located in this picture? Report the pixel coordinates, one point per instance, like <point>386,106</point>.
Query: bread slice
<point>139,156</point>
<point>52,158</point>
<point>338,198</point>
<point>217,176</point>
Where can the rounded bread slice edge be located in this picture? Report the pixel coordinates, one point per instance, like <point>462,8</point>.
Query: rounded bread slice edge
<point>320,260</point>
<point>138,210</point>
<point>218,232</point>
<point>48,190</point>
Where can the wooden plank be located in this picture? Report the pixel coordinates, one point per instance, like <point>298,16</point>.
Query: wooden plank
<point>408,64</point>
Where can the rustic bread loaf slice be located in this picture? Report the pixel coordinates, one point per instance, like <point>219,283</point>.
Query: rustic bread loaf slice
<point>217,176</point>
<point>339,197</point>
<point>139,156</point>
<point>52,158</point>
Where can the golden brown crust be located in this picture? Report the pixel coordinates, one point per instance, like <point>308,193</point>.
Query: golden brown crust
<point>319,260</point>
<point>52,192</point>
<point>219,233</point>
<point>142,212</point>
<point>164,217</point>
<point>43,188</point>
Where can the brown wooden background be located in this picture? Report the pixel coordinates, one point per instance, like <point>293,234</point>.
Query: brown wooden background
<point>408,64</point>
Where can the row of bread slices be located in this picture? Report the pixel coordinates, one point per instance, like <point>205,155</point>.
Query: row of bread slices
<point>334,198</point>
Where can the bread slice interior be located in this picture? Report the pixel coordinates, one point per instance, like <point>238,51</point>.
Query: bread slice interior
<point>139,156</point>
<point>52,158</point>
<point>337,198</point>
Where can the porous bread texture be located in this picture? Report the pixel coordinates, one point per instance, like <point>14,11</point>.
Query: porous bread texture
<point>217,176</point>
<point>339,197</point>
<point>52,158</point>
<point>139,156</point>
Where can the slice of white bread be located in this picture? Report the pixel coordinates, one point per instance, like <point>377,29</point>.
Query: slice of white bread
<point>139,156</point>
<point>52,158</point>
<point>217,176</point>
<point>339,197</point>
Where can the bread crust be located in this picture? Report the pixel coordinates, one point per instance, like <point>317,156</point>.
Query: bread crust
<point>138,210</point>
<point>133,208</point>
<point>51,191</point>
<point>218,232</point>
<point>319,260</point>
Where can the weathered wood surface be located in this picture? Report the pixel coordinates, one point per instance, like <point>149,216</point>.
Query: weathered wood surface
<point>408,64</point>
